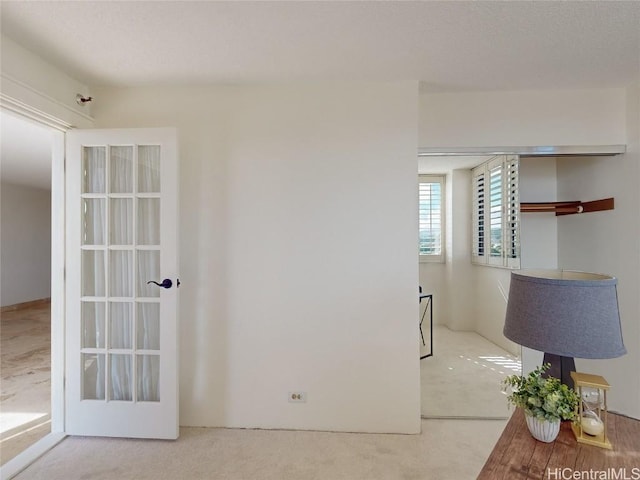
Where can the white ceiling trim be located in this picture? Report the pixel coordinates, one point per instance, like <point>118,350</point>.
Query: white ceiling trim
<point>14,92</point>
<point>541,151</point>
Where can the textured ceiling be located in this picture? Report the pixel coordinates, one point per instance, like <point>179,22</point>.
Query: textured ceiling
<point>449,45</point>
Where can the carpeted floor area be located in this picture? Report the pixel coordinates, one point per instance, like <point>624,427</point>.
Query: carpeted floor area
<point>446,450</point>
<point>463,378</point>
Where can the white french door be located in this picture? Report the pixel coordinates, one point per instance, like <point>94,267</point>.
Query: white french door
<point>121,329</point>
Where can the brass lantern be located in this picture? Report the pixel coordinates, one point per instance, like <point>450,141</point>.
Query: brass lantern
<point>591,425</point>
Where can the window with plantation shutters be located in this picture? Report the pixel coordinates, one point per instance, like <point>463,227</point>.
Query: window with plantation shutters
<point>431,218</point>
<point>496,216</point>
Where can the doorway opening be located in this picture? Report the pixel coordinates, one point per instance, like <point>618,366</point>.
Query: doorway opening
<point>463,377</point>
<point>25,286</point>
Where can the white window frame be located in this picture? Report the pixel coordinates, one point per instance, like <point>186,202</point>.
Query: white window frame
<point>441,180</point>
<point>495,201</point>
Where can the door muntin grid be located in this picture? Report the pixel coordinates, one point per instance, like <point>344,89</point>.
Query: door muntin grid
<point>120,253</point>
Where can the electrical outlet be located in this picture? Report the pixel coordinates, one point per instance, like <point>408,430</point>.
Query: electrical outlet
<point>297,397</point>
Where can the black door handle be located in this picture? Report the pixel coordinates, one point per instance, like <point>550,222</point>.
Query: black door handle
<point>166,283</point>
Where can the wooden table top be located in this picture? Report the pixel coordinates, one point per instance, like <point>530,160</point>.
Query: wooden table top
<point>519,456</point>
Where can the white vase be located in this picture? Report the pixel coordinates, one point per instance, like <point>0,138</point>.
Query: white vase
<point>543,430</point>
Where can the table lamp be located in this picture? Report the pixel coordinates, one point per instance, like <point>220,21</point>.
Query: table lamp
<point>564,314</point>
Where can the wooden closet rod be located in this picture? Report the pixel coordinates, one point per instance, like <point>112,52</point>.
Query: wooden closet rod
<point>567,208</point>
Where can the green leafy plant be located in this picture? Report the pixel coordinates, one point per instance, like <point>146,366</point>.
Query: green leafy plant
<point>545,398</point>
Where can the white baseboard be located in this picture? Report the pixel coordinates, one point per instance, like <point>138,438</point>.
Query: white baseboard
<point>30,455</point>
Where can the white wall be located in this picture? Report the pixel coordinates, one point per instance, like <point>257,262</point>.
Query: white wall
<point>490,293</point>
<point>434,279</point>
<point>459,255</point>
<point>25,244</point>
<point>298,256</point>
<point>607,242</point>
<point>523,118</point>
<point>633,136</point>
<point>450,281</point>
<point>538,231</point>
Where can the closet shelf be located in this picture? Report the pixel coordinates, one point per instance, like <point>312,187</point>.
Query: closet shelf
<point>567,208</point>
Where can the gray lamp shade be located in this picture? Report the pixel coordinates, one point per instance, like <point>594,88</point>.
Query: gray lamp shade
<point>572,314</point>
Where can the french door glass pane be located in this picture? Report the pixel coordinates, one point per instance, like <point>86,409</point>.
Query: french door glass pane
<point>121,180</point>
<point>93,324</point>
<point>121,224</point>
<point>93,221</point>
<point>148,269</point>
<point>121,273</point>
<point>148,328</point>
<point>148,221</point>
<point>93,274</point>
<point>120,377</point>
<point>93,376</point>
<point>148,370</point>
<point>149,168</point>
<point>121,238</point>
<point>120,321</point>
<point>93,169</point>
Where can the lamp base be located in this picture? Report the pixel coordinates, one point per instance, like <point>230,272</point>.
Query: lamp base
<point>561,367</point>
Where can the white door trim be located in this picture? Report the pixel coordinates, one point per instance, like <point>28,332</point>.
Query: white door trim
<point>21,461</point>
<point>21,98</point>
<point>58,309</point>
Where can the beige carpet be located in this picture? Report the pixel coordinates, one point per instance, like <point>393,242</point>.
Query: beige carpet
<point>463,378</point>
<point>446,450</point>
